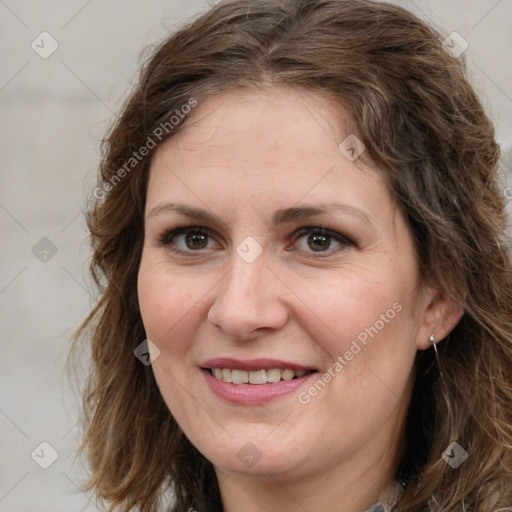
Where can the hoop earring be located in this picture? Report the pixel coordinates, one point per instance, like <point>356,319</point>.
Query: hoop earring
<point>432,341</point>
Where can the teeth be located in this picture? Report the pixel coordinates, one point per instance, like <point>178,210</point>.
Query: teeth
<point>288,374</point>
<point>240,376</point>
<point>256,376</point>
<point>273,375</point>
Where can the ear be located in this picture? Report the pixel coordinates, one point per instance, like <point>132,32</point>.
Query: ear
<point>440,316</point>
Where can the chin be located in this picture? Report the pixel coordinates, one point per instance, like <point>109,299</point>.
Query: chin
<point>253,453</point>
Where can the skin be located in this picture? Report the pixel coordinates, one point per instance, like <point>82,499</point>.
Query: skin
<point>242,156</point>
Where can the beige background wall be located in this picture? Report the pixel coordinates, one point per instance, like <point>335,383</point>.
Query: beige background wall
<point>54,110</point>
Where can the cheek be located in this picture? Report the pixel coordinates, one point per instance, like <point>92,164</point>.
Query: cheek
<point>169,308</point>
<point>350,307</point>
<point>167,302</point>
<point>368,327</point>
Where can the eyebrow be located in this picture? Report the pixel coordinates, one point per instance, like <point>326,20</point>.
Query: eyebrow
<point>283,216</point>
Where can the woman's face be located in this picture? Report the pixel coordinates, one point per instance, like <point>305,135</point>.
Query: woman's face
<point>268,248</point>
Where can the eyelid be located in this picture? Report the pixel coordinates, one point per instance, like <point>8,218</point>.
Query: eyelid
<point>168,234</point>
<point>323,231</point>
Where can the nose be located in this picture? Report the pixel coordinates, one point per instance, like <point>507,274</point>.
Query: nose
<point>250,301</point>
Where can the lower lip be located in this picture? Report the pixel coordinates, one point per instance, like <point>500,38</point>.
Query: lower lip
<point>253,394</point>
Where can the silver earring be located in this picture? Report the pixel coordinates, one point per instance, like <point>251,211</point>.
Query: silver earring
<point>432,340</point>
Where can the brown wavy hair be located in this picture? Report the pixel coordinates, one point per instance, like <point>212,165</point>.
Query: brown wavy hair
<point>425,129</point>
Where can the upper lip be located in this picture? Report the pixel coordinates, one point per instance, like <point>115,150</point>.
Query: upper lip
<point>252,364</point>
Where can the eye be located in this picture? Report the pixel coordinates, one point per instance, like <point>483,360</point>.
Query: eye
<point>194,239</point>
<point>320,240</point>
<point>187,239</point>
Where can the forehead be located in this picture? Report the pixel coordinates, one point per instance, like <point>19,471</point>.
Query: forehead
<point>265,148</point>
<point>269,116</point>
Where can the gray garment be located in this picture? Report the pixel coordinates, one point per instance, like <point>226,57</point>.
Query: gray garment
<point>395,493</point>
<point>377,507</point>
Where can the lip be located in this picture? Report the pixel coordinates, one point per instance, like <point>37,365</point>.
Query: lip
<point>253,394</point>
<point>253,364</point>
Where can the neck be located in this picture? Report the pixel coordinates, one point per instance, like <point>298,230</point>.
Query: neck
<point>348,487</point>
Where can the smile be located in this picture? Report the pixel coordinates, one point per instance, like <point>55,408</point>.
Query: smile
<point>271,375</point>
<point>254,382</point>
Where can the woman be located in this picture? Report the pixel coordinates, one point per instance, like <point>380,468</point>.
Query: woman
<point>305,287</point>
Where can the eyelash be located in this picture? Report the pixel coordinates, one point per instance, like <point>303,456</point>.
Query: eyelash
<point>167,237</point>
